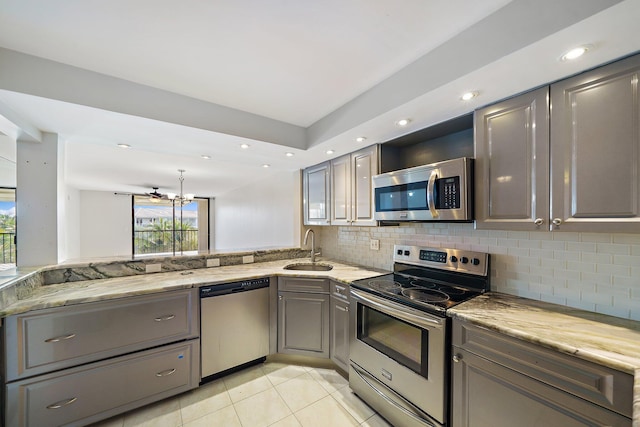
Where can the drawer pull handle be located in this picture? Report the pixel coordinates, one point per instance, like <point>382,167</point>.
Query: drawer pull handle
<point>62,403</point>
<point>61,338</point>
<point>163,318</point>
<point>166,373</point>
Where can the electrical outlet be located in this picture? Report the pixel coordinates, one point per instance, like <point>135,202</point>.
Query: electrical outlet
<point>248,259</point>
<point>213,262</point>
<point>153,268</point>
<point>374,244</point>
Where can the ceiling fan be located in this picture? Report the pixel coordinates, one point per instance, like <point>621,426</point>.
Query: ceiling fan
<point>155,194</point>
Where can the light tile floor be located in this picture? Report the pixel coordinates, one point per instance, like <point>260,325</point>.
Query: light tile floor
<point>271,394</point>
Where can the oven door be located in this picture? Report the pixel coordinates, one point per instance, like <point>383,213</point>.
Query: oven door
<point>398,357</point>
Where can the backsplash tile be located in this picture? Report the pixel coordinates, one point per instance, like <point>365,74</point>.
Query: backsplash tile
<point>592,271</point>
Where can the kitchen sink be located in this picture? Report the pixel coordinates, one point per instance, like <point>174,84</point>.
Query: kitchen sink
<point>309,266</point>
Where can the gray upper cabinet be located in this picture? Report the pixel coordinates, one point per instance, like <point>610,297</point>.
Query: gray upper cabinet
<point>352,187</point>
<point>576,168</point>
<point>512,163</point>
<point>316,194</point>
<point>595,150</point>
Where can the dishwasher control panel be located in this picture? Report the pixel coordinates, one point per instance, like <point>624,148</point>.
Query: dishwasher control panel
<point>233,287</point>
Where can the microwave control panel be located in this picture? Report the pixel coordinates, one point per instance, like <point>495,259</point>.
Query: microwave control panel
<point>448,193</point>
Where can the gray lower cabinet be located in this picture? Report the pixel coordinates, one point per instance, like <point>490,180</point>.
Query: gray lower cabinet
<point>303,316</point>
<point>78,364</point>
<point>500,381</point>
<point>339,348</point>
<point>564,157</point>
<point>79,396</point>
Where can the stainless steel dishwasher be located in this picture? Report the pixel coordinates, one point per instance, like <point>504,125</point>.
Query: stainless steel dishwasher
<point>234,325</point>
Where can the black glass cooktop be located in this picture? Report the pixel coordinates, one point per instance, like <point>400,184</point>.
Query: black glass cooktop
<point>423,294</point>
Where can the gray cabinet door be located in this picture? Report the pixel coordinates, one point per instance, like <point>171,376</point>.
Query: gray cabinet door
<point>488,394</point>
<point>82,395</point>
<point>341,190</point>
<point>303,323</point>
<point>364,164</point>
<point>316,194</point>
<point>512,163</point>
<point>595,150</point>
<point>45,340</point>
<point>339,349</point>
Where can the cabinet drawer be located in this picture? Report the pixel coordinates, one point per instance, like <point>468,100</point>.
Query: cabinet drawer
<point>79,396</point>
<point>303,284</point>
<point>597,384</point>
<point>340,290</point>
<point>47,340</point>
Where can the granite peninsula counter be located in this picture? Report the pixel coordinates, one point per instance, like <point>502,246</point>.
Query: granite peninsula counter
<point>606,340</point>
<point>78,292</point>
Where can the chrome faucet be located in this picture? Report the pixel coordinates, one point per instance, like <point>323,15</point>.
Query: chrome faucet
<point>313,244</point>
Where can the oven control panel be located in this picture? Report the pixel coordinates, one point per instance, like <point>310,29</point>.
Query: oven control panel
<point>464,261</point>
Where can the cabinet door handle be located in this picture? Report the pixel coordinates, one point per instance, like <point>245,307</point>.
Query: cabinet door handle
<point>166,373</point>
<point>538,222</point>
<point>280,297</point>
<point>556,221</point>
<point>163,318</point>
<point>60,338</point>
<point>346,309</point>
<point>62,403</point>
<point>457,357</point>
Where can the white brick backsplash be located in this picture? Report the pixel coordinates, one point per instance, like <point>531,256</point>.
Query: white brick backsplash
<point>596,237</point>
<point>581,247</point>
<point>633,239</point>
<point>566,237</point>
<point>614,270</point>
<point>554,245</point>
<point>566,255</point>
<point>626,260</point>
<point>597,298</point>
<point>613,249</point>
<point>581,266</point>
<point>596,278</point>
<point>590,271</point>
<point>596,258</point>
<point>566,274</point>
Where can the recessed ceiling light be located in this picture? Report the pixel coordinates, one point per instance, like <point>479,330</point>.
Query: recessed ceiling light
<point>574,53</point>
<point>403,122</point>
<point>124,146</point>
<point>204,156</point>
<point>361,139</point>
<point>288,154</point>
<point>266,166</point>
<point>330,151</point>
<point>469,96</point>
<point>244,146</point>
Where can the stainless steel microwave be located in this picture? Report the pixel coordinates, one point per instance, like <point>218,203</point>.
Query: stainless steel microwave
<point>440,191</point>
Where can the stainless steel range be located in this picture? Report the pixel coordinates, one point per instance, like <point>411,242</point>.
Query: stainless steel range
<point>400,335</point>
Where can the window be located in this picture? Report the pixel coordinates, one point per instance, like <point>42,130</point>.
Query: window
<point>164,227</point>
<point>8,227</point>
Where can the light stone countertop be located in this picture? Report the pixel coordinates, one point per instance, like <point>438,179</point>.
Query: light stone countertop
<point>606,340</point>
<point>71,293</point>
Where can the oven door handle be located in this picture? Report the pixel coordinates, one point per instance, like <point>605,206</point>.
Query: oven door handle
<point>431,195</point>
<point>402,313</point>
<point>411,410</point>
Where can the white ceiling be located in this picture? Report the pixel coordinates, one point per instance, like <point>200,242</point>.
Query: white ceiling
<point>332,70</point>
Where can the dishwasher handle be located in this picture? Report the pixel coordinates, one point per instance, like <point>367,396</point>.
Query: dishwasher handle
<point>215,290</point>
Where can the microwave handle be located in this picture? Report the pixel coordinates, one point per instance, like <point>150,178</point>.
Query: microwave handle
<point>431,194</point>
